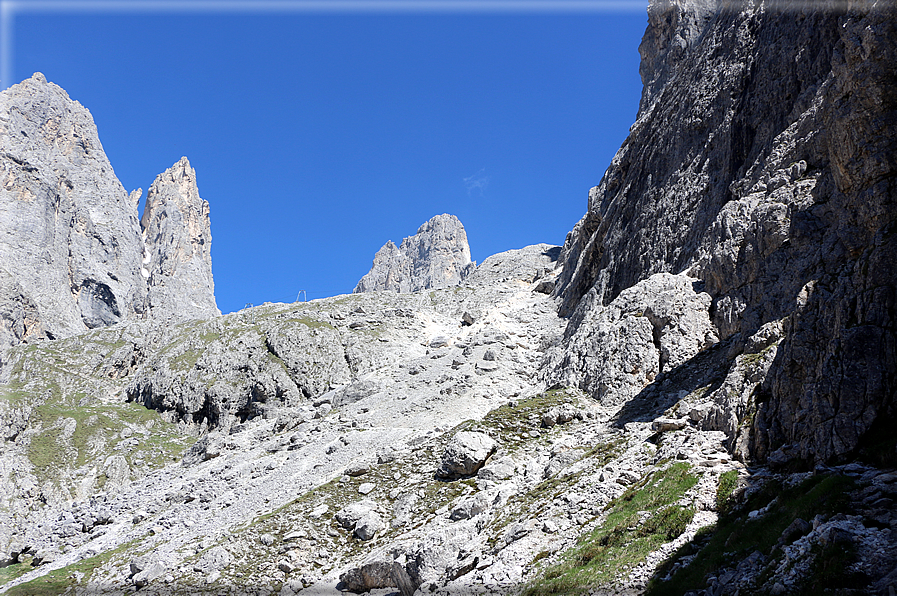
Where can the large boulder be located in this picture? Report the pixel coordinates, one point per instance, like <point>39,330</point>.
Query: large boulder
<point>465,453</point>
<point>655,326</point>
<point>368,576</point>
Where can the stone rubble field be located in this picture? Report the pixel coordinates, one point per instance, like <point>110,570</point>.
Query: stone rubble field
<point>373,442</point>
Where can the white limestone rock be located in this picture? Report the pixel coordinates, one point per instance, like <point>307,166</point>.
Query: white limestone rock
<point>177,260</point>
<point>437,256</point>
<point>465,454</point>
<point>69,235</point>
<point>613,352</point>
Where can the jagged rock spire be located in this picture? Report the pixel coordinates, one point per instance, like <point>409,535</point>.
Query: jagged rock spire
<point>435,257</point>
<point>177,260</point>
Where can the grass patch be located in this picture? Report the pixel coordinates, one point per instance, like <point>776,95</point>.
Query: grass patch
<point>15,395</point>
<point>727,483</point>
<point>511,424</point>
<point>14,571</point>
<point>186,360</point>
<point>62,581</point>
<point>637,523</point>
<point>96,433</point>
<point>736,536</point>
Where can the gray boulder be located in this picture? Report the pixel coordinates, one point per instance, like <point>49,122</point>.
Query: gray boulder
<point>469,507</point>
<point>151,572</point>
<point>437,256</point>
<point>368,525</point>
<point>465,453</point>
<point>368,576</point>
<point>212,560</point>
<point>350,515</point>
<point>561,414</point>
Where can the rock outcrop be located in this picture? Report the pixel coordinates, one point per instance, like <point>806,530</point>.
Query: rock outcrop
<point>72,252</point>
<point>654,326</point>
<point>69,235</point>
<point>762,163</point>
<point>177,237</point>
<point>437,256</point>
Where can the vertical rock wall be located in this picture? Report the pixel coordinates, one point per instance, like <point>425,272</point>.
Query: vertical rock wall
<point>177,235</point>
<point>762,163</point>
<point>71,245</point>
<point>69,235</point>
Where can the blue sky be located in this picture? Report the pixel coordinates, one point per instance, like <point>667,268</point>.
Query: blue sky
<point>318,136</point>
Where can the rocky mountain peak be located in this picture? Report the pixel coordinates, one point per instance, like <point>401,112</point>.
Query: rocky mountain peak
<point>726,372</point>
<point>435,257</point>
<point>72,253</point>
<point>71,239</point>
<point>177,236</point>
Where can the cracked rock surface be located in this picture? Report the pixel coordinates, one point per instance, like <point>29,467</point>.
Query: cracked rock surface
<point>436,256</point>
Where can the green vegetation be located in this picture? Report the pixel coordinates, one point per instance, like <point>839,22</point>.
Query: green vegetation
<point>186,360</point>
<point>95,430</point>
<point>11,572</point>
<point>736,535</point>
<point>636,523</point>
<point>727,483</point>
<point>511,424</point>
<point>62,581</point>
<point>14,395</point>
<point>751,359</point>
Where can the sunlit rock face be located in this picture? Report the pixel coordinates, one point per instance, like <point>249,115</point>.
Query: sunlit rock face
<point>177,261</point>
<point>762,164</point>
<point>437,256</point>
<point>69,234</point>
<point>73,254</point>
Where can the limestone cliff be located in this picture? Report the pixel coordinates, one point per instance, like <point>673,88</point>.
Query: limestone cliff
<point>69,235</point>
<point>71,245</point>
<point>177,261</point>
<point>435,257</point>
<point>762,164</point>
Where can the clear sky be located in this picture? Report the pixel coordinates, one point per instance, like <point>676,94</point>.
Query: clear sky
<point>318,136</point>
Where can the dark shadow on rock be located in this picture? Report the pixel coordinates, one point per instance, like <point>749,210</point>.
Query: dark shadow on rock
<point>707,368</point>
<point>766,513</point>
<point>553,253</point>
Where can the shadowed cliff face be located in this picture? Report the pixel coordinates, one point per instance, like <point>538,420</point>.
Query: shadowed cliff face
<point>762,163</point>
